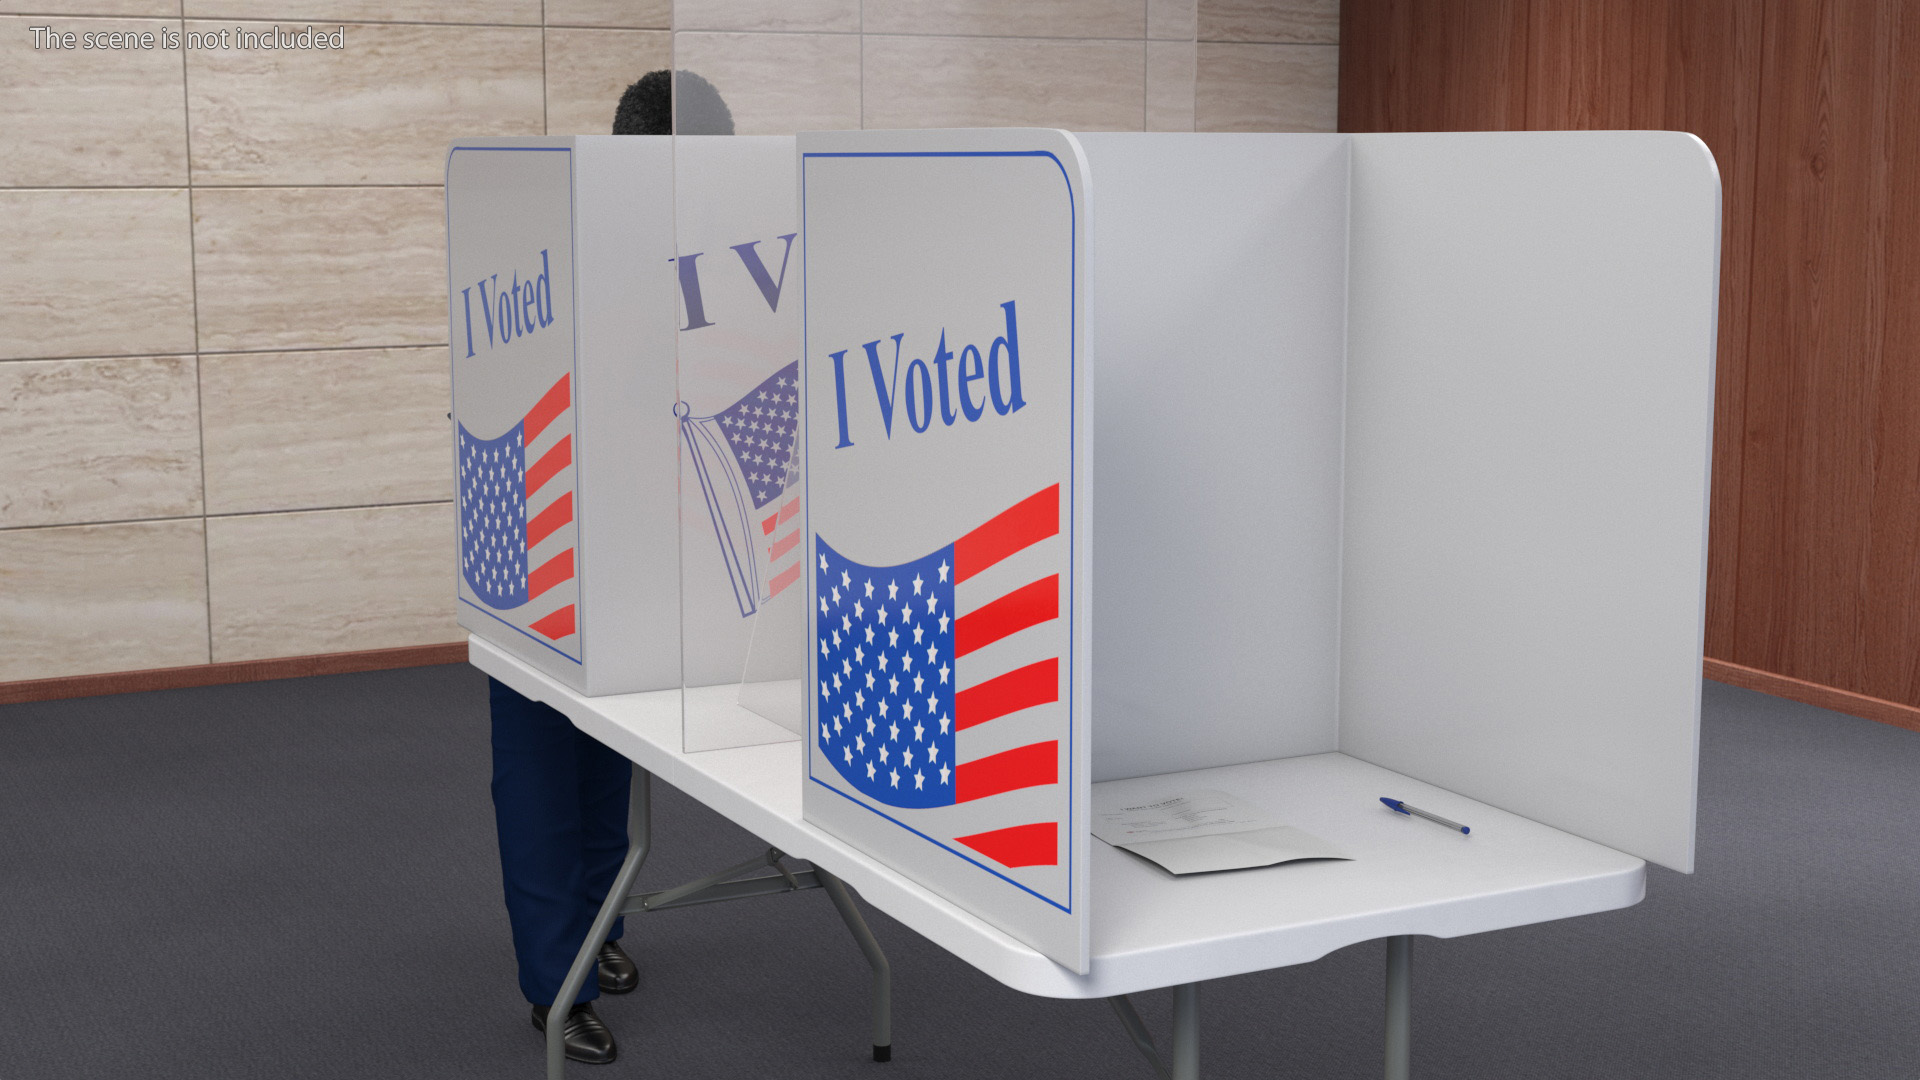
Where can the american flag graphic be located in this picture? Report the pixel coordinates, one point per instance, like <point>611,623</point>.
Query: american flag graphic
<point>907,701</point>
<point>748,470</point>
<point>513,551</point>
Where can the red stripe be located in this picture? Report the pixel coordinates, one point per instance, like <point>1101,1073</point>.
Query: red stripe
<point>784,544</point>
<point>1021,845</point>
<point>551,404</point>
<point>550,462</point>
<point>786,514</point>
<point>1028,522</point>
<point>1010,614</point>
<point>551,573</point>
<point>1026,766</point>
<point>1021,688</point>
<point>555,515</point>
<point>783,579</point>
<point>557,625</point>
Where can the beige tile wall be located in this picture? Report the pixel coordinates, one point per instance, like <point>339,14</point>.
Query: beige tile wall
<point>778,83</point>
<point>1162,65</point>
<point>763,16</point>
<point>587,70</point>
<point>83,598</point>
<point>223,371</point>
<point>223,378</point>
<point>91,7</point>
<point>74,119</point>
<point>913,81</point>
<point>95,272</point>
<point>1115,19</point>
<point>330,580</point>
<point>396,96</point>
<point>1246,86</point>
<point>99,440</point>
<point>370,427</point>
<point>1266,65</point>
<point>621,14</point>
<point>314,267</point>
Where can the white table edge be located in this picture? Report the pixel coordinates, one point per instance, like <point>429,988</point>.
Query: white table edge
<point>971,939</point>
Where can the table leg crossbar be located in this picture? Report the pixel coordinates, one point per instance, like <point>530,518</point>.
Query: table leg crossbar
<point>1137,1031</point>
<point>622,900</point>
<point>716,887</point>
<point>727,885</point>
<point>1186,1033</point>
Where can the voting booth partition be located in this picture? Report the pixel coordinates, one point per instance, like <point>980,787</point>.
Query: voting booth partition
<point>1017,469</point>
<point>1004,464</point>
<point>562,393</point>
<point>1251,462</point>
<point>625,403</point>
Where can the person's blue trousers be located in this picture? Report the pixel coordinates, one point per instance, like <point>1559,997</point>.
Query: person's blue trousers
<point>560,803</point>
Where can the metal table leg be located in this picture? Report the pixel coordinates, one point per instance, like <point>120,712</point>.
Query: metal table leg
<point>1399,1015</point>
<point>1137,1031</point>
<point>1185,1059</point>
<point>724,885</point>
<point>882,971</point>
<point>1186,1032</point>
<point>639,840</point>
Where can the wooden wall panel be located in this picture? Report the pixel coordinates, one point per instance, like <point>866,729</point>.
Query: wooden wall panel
<point>1433,65</point>
<point>1826,580</point>
<point>1809,107</point>
<point>1892,667</point>
<point>1712,89</point>
<point>1596,64</point>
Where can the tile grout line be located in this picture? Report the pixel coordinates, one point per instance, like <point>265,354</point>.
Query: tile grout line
<point>1146,36</point>
<point>333,22</point>
<point>1069,39</point>
<point>546,123</point>
<point>209,186</point>
<point>861,33</point>
<point>199,388</point>
<point>204,517</point>
<point>282,350</point>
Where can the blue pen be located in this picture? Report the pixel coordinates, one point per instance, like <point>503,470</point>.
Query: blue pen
<point>1399,807</point>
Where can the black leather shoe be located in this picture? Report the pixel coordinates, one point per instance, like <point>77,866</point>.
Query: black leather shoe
<point>618,973</point>
<point>587,1039</point>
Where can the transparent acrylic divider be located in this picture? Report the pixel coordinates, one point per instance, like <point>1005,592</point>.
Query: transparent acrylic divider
<point>743,626</point>
<point>748,76</point>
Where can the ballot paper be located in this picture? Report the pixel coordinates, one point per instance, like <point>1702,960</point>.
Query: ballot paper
<point>1196,832</point>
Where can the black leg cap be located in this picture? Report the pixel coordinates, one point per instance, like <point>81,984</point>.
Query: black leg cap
<point>883,1053</point>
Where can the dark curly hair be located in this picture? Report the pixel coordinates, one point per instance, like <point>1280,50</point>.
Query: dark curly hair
<point>647,107</point>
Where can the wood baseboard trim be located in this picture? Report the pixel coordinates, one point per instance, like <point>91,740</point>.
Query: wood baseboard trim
<point>1826,697</point>
<point>236,671</point>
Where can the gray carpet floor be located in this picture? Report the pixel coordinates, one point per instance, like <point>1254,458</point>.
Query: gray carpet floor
<point>298,879</point>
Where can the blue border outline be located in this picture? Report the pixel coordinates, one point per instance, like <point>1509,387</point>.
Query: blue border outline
<point>573,265</point>
<point>1073,419</point>
<point>482,610</point>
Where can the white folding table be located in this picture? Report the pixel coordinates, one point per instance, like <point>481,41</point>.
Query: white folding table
<point>1150,930</point>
